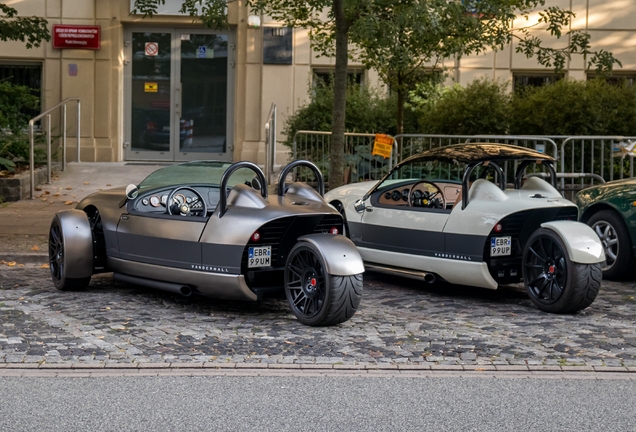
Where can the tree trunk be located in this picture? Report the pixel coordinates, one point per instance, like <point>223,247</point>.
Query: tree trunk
<point>401,97</point>
<point>336,161</point>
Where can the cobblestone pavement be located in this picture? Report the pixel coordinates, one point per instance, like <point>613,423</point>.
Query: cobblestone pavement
<point>401,323</point>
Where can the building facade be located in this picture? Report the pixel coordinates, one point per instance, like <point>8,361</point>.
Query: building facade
<point>170,89</point>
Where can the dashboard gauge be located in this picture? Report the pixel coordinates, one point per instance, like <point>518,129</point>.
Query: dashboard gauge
<point>405,195</point>
<point>387,195</point>
<point>188,200</point>
<point>164,199</point>
<point>145,201</point>
<point>417,194</point>
<point>396,195</point>
<point>155,201</point>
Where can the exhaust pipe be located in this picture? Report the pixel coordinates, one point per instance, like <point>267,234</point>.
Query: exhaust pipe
<point>412,274</point>
<point>184,290</point>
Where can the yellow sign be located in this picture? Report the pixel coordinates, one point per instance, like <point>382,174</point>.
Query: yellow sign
<point>382,146</point>
<point>151,87</point>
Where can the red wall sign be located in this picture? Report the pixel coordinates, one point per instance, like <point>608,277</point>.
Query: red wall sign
<point>76,36</point>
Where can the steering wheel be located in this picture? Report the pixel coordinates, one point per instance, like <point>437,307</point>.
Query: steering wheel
<point>181,206</point>
<point>430,198</point>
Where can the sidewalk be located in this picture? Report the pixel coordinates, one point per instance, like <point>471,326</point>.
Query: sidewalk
<point>24,225</point>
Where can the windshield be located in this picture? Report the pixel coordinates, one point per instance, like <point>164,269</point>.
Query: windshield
<point>424,170</point>
<point>198,172</point>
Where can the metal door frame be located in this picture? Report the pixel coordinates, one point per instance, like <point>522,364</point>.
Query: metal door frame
<point>174,153</point>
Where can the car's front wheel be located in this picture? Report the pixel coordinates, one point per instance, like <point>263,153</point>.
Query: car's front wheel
<point>59,260</point>
<point>617,244</point>
<point>316,297</point>
<point>554,283</point>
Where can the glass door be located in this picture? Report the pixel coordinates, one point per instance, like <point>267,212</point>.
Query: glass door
<point>177,103</point>
<point>203,87</point>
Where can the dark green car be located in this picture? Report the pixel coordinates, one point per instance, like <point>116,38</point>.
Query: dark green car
<point>610,209</point>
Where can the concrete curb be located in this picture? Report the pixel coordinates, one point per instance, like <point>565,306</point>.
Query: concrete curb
<point>258,367</point>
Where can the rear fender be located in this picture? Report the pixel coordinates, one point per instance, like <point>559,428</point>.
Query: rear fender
<point>582,243</point>
<point>340,255</point>
<point>78,243</point>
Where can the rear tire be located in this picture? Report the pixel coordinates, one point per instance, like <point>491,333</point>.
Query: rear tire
<point>316,297</point>
<point>554,283</point>
<point>617,244</point>
<point>58,262</point>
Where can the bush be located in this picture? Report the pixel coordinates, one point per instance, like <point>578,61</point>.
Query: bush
<point>368,111</point>
<point>15,101</point>
<point>480,108</point>
<point>570,107</point>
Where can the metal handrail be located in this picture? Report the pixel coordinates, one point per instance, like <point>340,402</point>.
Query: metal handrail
<point>48,144</point>
<point>270,142</point>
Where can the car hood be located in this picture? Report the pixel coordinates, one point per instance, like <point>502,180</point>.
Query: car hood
<point>615,192</point>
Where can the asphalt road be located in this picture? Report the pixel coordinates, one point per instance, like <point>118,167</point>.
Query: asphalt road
<point>224,403</point>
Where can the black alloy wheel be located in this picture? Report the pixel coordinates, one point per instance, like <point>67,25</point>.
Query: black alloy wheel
<point>545,270</point>
<point>554,283</point>
<point>316,297</point>
<point>305,283</point>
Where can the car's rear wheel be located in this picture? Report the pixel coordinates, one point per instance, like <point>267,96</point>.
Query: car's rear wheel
<point>316,297</point>
<point>58,251</point>
<point>619,256</point>
<point>554,283</point>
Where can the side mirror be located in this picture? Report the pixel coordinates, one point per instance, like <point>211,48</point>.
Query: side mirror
<point>132,191</point>
<point>360,206</point>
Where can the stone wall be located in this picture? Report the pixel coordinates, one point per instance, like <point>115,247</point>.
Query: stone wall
<point>19,187</point>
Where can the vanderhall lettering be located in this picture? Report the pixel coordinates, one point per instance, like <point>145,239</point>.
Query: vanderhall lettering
<point>222,213</point>
<point>209,268</point>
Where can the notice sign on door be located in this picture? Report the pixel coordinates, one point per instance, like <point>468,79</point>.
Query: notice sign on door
<point>152,48</point>
<point>382,146</point>
<point>151,87</point>
<point>76,36</point>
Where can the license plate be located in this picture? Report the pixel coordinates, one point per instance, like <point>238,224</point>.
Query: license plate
<point>259,256</point>
<point>500,246</point>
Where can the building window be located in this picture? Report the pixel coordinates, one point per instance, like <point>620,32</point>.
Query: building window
<point>25,75</point>
<point>325,77</point>
<point>616,79</point>
<point>529,79</point>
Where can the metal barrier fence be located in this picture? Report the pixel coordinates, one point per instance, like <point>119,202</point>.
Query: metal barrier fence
<point>47,114</point>
<point>610,157</point>
<point>359,163</point>
<point>580,160</point>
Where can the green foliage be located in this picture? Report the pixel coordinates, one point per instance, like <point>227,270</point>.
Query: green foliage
<point>570,107</point>
<point>367,111</point>
<point>31,30</point>
<point>14,101</point>
<point>480,108</point>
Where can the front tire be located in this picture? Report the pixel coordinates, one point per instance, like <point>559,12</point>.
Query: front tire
<point>554,283</point>
<point>617,244</point>
<point>316,297</point>
<point>58,260</point>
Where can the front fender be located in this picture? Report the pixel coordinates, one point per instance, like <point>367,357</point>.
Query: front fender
<point>584,246</point>
<point>339,253</point>
<point>78,243</point>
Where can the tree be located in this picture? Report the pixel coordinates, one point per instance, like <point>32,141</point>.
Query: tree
<point>31,30</point>
<point>396,37</point>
